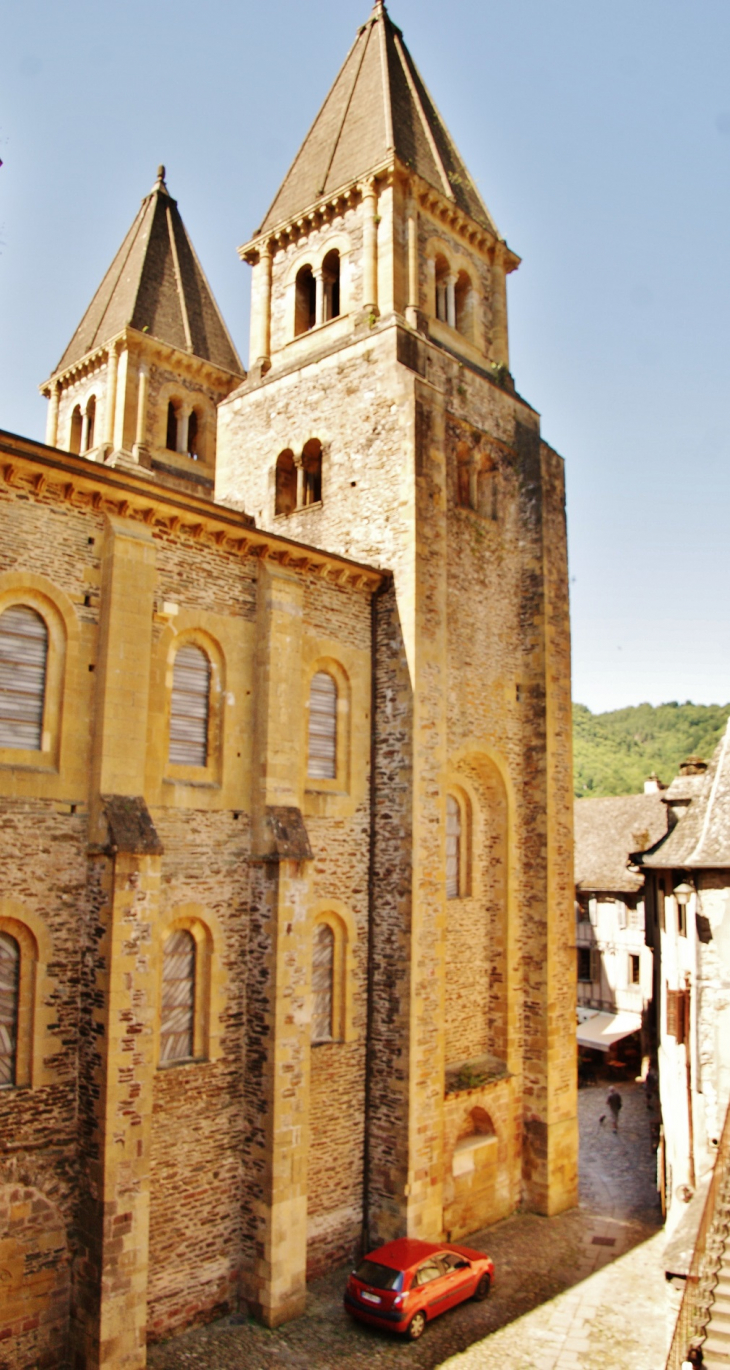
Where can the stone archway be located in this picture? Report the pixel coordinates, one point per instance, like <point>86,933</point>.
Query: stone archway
<point>34,1281</point>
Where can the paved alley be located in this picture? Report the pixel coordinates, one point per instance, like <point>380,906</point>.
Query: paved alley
<point>584,1290</point>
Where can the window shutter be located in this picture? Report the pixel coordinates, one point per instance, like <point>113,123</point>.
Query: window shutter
<point>671,1012</point>
<point>23,654</point>
<point>178,997</point>
<point>453,847</point>
<point>9,988</point>
<point>682,1017</point>
<point>595,965</point>
<point>323,968</point>
<point>189,708</point>
<point>322,728</point>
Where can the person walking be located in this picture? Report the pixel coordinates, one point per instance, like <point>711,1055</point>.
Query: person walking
<point>614,1101</point>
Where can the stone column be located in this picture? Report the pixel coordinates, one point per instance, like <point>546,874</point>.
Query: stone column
<point>52,419</point>
<point>277,1045</point>
<point>413,304</point>
<point>183,424</point>
<point>500,340</point>
<point>261,350</point>
<point>299,463</point>
<point>111,395</point>
<point>451,300</point>
<point>370,248</point>
<point>319,297</point>
<point>142,394</point>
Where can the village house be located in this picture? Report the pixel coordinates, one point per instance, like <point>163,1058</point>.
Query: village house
<point>286,953</point>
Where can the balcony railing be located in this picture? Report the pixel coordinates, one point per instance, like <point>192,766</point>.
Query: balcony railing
<point>699,1292</point>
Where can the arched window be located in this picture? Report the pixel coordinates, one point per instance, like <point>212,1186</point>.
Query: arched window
<point>23,655</point>
<point>312,463</point>
<point>305,315</point>
<point>90,424</point>
<point>464,305</point>
<point>190,708</point>
<point>9,1007</point>
<point>171,436</point>
<point>453,848</point>
<point>74,442</point>
<point>177,1020</point>
<point>285,498</point>
<point>331,284</point>
<point>193,435</point>
<point>323,975</point>
<point>322,763</point>
<point>442,272</point>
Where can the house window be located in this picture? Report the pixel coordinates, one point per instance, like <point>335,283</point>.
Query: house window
<point>453,848</point>
<point>634,969</point>
<point>90,424</point>
<point>322,763</point>
<point>582,908</point>
<point>312,464</point>
<point>189,708</point>
<point>193,436</point>
<point>171,436</point>
<point>323,972</point>
<point>9,1008</point>
<point>74,442</point>
<point>677,1014</point>
<point>23,656</point>
<point>660,896</point>
<point>442,273</point>
<point>331,285</point>
<point>285,498</point>
<point>178,998</point>
<point>306,301</point>
<point>464,305</point>
<point>585,965</point>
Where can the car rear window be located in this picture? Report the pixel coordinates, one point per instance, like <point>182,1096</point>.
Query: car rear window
<point>379,1276</point>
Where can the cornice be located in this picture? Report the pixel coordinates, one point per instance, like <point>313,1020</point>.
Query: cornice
<point>44,471</point>
<point>314,216</point>
<point>477,236</point>
<point>145,346</point>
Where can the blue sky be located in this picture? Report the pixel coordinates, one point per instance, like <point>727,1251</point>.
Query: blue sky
<point>599,135</point>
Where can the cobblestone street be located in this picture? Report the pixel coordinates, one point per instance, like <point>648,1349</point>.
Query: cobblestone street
<point>582,1290</point>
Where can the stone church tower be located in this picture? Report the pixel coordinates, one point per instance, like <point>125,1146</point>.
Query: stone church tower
<point>380,420</point>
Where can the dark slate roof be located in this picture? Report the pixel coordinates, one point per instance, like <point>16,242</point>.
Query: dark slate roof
<point>156,284</point>
<point>701,838</point>
<point>606,831</point>
<point>377,106</point>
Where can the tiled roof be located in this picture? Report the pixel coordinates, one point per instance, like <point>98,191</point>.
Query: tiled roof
<point>701,838</point>
<point>606,831</point>
<point>156,284</point>
<point>377,107</point>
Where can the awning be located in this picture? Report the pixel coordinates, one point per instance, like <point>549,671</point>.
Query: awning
<point>601,1030</point>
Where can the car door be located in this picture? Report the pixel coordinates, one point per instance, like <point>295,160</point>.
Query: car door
<point>432,1280</point>
<point>462,1278</point>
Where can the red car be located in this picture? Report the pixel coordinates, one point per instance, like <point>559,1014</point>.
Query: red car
<point>404,1284</point>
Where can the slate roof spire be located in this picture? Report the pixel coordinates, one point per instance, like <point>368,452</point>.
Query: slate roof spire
<point>378,108</point>
<point>156,285</point>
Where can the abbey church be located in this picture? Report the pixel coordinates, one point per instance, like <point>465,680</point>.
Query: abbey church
<point>286,912</point>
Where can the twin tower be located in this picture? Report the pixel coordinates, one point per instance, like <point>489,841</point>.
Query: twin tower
<point>422,1051</point>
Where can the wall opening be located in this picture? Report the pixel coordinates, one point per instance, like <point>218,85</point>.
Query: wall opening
<point>306,301</point>
<point>312,463</point>
<point>331,285</point>
<point>285,497</point>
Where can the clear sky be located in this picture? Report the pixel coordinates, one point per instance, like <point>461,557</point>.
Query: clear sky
<point>599,135</point>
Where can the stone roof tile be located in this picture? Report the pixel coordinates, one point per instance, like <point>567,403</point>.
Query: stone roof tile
<point>157,285</point>
<point>377,107</point>
<point>701,838</point>
<point>607,830</point>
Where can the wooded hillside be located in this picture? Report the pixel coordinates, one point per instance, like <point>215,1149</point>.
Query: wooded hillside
<point>615,752</point>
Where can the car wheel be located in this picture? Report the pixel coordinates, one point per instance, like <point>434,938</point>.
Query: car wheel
<point>483,1288</point>
<point>416,1326</point>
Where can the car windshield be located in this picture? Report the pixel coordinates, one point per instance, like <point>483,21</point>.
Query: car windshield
<point>379,1276</point>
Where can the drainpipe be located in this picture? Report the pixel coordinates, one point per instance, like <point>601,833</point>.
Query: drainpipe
<point>688,1058</point>
<point>384,585</point>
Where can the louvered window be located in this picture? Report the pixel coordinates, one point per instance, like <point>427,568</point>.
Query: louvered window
<point>178,997</point>
<point>23,654</point>
<point>323,969</point>
<point>453,847</point>
<point>9,987</point>
<point>322,727</point>
<point>190,708</point>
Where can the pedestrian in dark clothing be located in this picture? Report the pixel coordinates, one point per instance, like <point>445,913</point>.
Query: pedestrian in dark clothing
<point>614,1101</point>
<point>650,1086</point>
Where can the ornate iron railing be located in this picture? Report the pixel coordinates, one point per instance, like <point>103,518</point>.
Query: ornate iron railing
<point>699,1291</point>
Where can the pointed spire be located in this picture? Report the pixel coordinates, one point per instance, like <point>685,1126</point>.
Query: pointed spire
<point>378,107</point>
<point>156,285</point>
